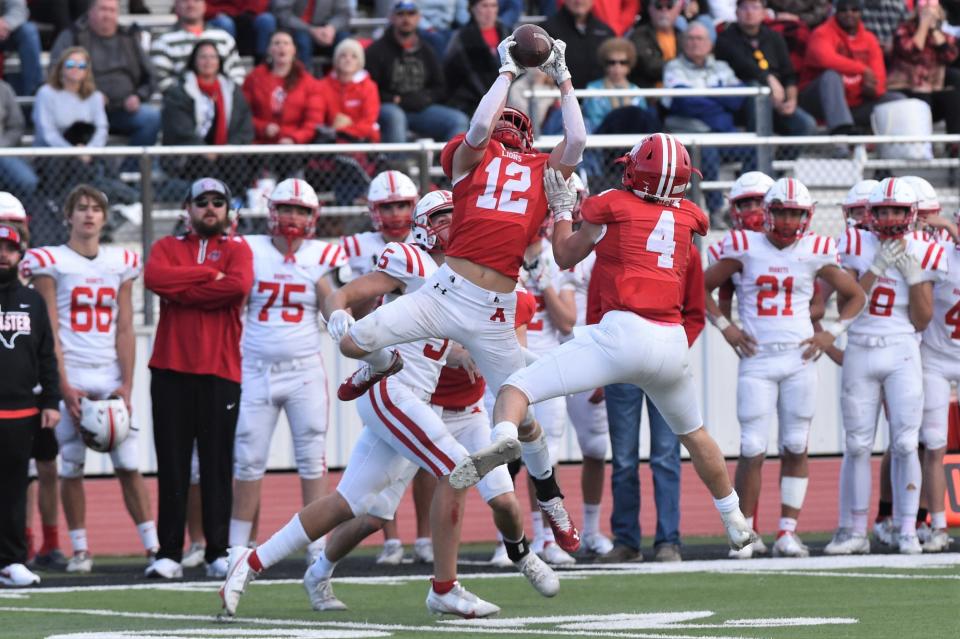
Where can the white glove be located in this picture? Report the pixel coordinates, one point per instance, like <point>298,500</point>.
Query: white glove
<point>910,268</point>
<point>507,63</point>
<point>556,64</point>
<point>890,251</point>
<point>561,196</point>
<point>339,323</point>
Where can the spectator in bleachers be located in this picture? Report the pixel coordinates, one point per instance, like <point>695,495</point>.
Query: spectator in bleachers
<point>699,11</point>
<point>810,12</point>
<point>472,62</point>
<point>207,108</point>
<point>16,175</point>
<point>283,97</point>
<point>439,20</point>
<point>410,80</point>
<point>248,21</point>
<point>350,97</point>
<point>576,24</point>
<point>844,76</point>
<point>759,56</point>
<point>921,54</point>
<point>656,39</point>
<point>511,11</point>
<point>881,18</point>
<point>619,15</point>
<point>171,51</point>
<point>618,114</point>
<point>18,34</point>
<point>122,69</point>
<point>316,25</point>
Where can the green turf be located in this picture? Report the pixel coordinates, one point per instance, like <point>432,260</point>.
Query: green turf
<point>894,608</point>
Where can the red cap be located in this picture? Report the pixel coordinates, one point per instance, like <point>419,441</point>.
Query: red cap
<point>11,234</point>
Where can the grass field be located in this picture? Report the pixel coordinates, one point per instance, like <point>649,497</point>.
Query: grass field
<point>874,597</point>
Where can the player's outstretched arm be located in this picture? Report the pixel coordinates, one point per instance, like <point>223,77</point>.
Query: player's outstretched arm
<point>569,153</point>
<point>851,299</point>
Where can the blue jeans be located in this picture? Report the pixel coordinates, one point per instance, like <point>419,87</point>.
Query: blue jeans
<point>436,121</point>
<point>142,125</point>
<point>17,177</point>
<point>264,26</point>
<point>624,407</point>
<point>26,42</point>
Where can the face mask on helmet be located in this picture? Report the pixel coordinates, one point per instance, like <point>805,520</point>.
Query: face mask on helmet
<point>432,219</point>
<point>747,213</point>
<point>891,222</point>
<point>856,216</point>
<point>292,221</point>
<point>393,218</point>
<point>786,224</point>
<point>514,130</point>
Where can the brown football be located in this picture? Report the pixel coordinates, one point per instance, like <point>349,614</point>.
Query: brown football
<point>532,47</point>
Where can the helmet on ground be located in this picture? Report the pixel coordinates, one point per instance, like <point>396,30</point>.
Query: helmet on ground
<point>104,423</point>
<point>787,194</point>
<point>514,129</point>
<point>746,200</point>
<point>385,188</point>
<point>892,193</point>
<point>658,168</point>
<point>293,192</point>
<point>424,232</point>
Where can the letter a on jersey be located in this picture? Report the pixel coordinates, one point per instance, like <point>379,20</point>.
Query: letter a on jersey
<point>498,316</point>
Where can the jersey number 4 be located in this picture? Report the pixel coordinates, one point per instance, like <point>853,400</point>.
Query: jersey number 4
<point>91,310</point>
<point>953,319</point>
<point>292,311</point>
<point>661,242</point>
<point>504,199</point>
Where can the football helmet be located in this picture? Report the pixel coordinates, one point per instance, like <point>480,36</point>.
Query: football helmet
<point>104,423</point>
<point>927,202</point>
<point>11,210</point>
<point>514,130</point>
<point>789,194</point>
<point>295,192</point>
<point>855,203</point>
<point>893,193</point>
<point>746,212</point>
<point>658,168</point>
<point>428,235</point>
<point>386,187</point>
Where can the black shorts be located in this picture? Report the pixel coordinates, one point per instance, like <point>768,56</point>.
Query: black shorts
<point>45,446</point>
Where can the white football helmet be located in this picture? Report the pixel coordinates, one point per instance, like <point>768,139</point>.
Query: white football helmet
<point>750,185</point>
<point>927,201</point>
<point>11,210</point>
<point>787,193</point>
<point>296,192</point>
<point>104,423</point>
<point>424,232</point>
<point>855,203</point>
<point>391,186</point>
<point>892,193</point>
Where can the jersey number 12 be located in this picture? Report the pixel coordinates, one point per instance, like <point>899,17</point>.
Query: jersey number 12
<point>503,199</point>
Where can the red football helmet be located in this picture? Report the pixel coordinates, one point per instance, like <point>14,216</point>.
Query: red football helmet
<point>514,130</point>
<point>658,168</point>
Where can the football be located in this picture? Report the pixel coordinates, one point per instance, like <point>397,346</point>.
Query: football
<point>532,47</point>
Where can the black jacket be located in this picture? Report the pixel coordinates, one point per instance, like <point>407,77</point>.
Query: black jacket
<point>470,67</point>
<point>180,113</point>
<point>582,46</point>
<point>737,49</point>
<point>648,71</point>
<point>27,355</point>
<point>413,74</point>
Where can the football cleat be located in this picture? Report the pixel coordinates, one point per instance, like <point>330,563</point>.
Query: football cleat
<point>749,551</point>
<point>939,541</point>
<point>423,551</point>
<point>555,555</point>
<point>194,555</point>
<point>739,532</point>
<point>365,377</point>
<point>164,568</point>
<point>53,560</point>
<point>460,602</point>
<point>884,532</point>
<point>596,544</point>
<point>391,554</point>
<point>472,468</point>
<point>789,545</point>
<point>17,575</point>
<point>847,542</point>
<point>500,558</point>
<point>81,562</point>
<point>217,568</point>
<point>566,534</point>
<point>909,545</point>
<point>239,574</point>
<point>923,532</point>
<point>539,574</point>
<point>320,593</point>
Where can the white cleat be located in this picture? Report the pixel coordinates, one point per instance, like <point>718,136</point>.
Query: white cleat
<point>539,574</point>
<point>239,574</point>
<point>739,532</point>
<point>194,555</point>
<point>923,532</point>
<point>789,545</point>
<point>164,568</point>
<point>939,541</point>
<point>554,555</point>
<point>218,568</point>
<point>18,575</point>
<point>500,557</point>
<point>847,542</point>
<point>460,602</point>
<point>423,551</point>
<point>320,592</point>
<point>884,532</point>
<point>314,548</point>
<point>909,545</point>
<point>391,554</point>
<point>597,544</point>
<point>473,468</point>
<point>81,562</point>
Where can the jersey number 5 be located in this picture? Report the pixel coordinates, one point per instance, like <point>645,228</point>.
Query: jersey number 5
<point>89,310</point>
<point>503,199</point>
<point>292,311</point>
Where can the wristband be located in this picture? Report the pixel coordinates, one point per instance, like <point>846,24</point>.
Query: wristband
<point>839,327</point>
<point>721,322</point>
<point>563,216</point>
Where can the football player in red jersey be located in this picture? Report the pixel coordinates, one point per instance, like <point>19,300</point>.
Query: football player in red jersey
<point>499,206</point>
<point>642,241</point>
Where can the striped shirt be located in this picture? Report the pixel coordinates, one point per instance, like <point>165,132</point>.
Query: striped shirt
<point>170,52</point>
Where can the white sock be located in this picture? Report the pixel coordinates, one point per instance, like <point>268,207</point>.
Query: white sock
<point>548,537</point>
<point>78,539</point>
<point>239,532</point>
<point>284,542</point>
<point>419,541</point>
<point>846,498</point>
<point>379,359</point>
<point>749,522</point>
<point>536,457</point>
<point>591,519</point>
<point>729,504</point>
<point>317,545</point>
<point>392,543</point>
<point>938,521</point>
<point>858,521</point>
<point>322,568</point>
<point>148,535</point>
<point>788,524</point>
<point>906,489</point>
<point>504,430</point>
<point>537,518</point>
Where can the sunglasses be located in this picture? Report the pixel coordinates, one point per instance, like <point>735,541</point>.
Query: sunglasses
<point>217,202</point>
<point>73,64</point>
<point>611,63</point>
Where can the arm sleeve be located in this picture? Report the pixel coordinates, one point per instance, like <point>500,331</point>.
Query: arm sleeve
<point>694,297</point>
<point>481,124</point>
<point>47,359</point>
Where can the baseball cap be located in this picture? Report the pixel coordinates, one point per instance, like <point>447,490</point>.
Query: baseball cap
<point>405,5</point>
<point>207,185</point>
<point>11,234</point>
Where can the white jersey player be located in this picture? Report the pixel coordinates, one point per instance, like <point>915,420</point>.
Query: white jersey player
<point>282,366</point>
<point>777,374</point>
<point>929,220</point>
<point>88,289</point>
<point>897,272</point>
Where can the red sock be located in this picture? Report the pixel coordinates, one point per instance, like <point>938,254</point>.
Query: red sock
<point>28,534</point>
<point>51,539</point>
<point>443,587</point>
<point>254,561</point>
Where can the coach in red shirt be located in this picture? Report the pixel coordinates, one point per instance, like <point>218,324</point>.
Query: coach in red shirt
<point>202,278</point>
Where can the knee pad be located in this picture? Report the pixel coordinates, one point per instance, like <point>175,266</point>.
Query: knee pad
<point>593,445</point>
<point>753,439</point>
<point>73,455</point>
<point>249,467</point>
<point>312,467</point>
<point>905,442</point>
<point>859,443</point>
<point>70,470</point>
<point>310,455</point>
<point>794,437</point>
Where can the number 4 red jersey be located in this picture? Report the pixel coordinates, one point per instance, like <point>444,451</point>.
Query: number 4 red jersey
<point>498,207</point>
<point>643,254</point>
